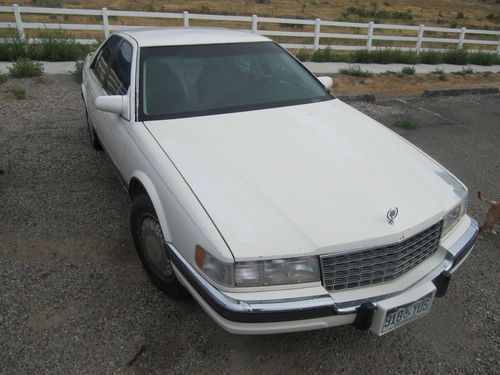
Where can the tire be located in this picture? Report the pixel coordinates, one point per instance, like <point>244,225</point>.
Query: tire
<point>94,140</point>
<point>151,248</point>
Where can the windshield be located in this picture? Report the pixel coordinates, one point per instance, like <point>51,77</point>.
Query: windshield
<point>196,80</point>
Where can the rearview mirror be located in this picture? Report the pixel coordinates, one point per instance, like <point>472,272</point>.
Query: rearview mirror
<point>326,81</point>
<point>111,103</point>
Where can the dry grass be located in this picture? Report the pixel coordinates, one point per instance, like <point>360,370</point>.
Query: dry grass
<point>446,13</point>
<point>392,85</point>
<point>478,13</point>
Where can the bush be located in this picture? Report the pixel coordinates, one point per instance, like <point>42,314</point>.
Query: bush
<point>303,55</point>
<point>464,71</point>
<point>3,77</point>
<point>322,55</point>
<point>431,57</point>
<point>361,56</point>
<point>355,71</point>
<point>457,56</point>
<point>18,92</point>
<point>384,56</point>
<point>408,70</point>
<point>24,67</point>
<point>77,73</point>
<point>12,49</point>
<point>483,58</point>
<point>54,45</point>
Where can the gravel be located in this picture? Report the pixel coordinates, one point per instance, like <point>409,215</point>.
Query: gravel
<point>74,298</point>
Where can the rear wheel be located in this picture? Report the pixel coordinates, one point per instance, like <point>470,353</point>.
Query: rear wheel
<point>92,134</point>
<point>151,248</point>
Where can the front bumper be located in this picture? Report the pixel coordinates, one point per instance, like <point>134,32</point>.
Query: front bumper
<point>304,313</point>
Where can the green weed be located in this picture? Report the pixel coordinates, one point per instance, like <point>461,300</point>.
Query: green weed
<point>24,67</point>
<point>18,92</point>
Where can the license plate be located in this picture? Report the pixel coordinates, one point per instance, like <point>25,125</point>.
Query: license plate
<point>401,315</point>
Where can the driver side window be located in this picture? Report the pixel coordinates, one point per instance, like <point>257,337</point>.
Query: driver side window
<point>100,65</point>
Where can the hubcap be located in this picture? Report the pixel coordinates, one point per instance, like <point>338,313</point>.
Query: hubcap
<point>154,247</point>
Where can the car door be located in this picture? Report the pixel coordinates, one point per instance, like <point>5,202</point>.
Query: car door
<point>112,71</point>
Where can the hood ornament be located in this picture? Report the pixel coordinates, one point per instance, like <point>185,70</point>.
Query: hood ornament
<point>392,214</point>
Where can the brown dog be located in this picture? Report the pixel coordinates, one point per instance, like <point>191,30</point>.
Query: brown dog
<point>493,214</point>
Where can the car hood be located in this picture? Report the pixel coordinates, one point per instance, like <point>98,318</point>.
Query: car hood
<point>307,179</point>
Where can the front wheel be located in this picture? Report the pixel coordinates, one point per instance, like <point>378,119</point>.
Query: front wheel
<point>151,248</point>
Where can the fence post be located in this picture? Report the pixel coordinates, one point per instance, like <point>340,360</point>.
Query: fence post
<point>418,47</point>
<point>462,37</point>
<point>498,48</point>
<point>185,16</point>
<point>254,23</point>
<point>19,22</point>
<point>317,28</point>
<point>370,36</point>
<point>105,22</point>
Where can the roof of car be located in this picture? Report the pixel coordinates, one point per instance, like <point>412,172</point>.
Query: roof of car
<point>175,36</point>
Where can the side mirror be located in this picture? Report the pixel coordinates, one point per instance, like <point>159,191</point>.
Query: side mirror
<point>111,103</point>
<point>326,81</point>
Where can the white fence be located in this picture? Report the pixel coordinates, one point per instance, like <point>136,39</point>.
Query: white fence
<point>368,32</point>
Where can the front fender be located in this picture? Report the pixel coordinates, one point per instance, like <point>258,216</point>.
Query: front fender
<point>155,199</point>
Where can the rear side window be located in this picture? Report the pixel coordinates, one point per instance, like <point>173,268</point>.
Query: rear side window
<point>118,80</point>
<point>101,63</point>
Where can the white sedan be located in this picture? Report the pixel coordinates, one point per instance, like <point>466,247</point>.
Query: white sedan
<point>275,205</point>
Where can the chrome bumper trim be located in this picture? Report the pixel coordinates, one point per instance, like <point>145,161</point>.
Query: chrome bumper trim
<point>462,247</point>
<point>252,311</point>
<point>455,255</point>
<point>307,307</point>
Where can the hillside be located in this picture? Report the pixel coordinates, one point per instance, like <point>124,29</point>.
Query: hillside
<point>448,13</point>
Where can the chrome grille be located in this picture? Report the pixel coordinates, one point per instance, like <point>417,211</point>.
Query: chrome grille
<point>376,265</point>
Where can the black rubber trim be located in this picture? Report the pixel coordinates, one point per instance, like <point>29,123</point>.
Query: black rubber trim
<point>441,283</point>
<point>465,251</point>
<point>250,316</point>
<point>364,318</point>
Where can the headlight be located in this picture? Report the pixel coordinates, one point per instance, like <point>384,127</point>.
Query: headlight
<point>277,272</point>
<point>218,271</point>
<point>258,273</point>
<point>453,217</point>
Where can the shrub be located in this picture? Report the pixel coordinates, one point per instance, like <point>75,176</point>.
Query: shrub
<point>482,58</point>
<point>431,57</point>
<point>54,45</point>
<point>322,55</point>
<point>408,70</point>
<point>18,92</point>
<point>303,55</point>
<point>11,49</point>
<point>361,56</point>
<point>443,77</point>
<point>24,67</point>
<point>457,56</point>
<point>77,73</point>
<point>384,56</point>
<point>355,71</point>
<point>3,77</point>
<point>464,71</point>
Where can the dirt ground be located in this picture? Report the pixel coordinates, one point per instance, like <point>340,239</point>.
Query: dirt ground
<point>409,85</point>
<point>74,297</point>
